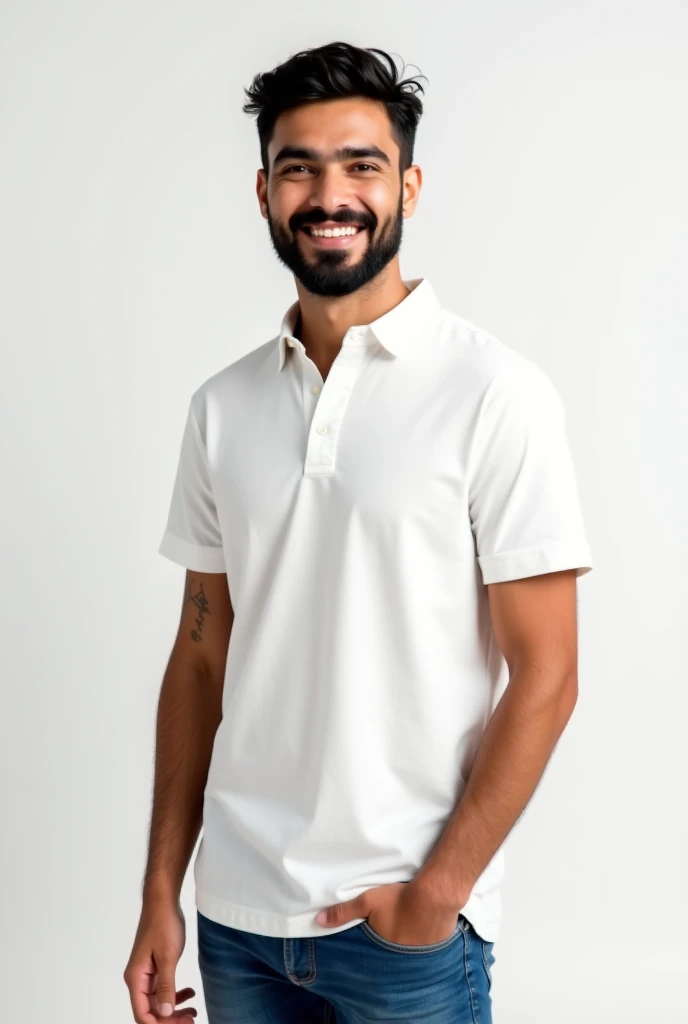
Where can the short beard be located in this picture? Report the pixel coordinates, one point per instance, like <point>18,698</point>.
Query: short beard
<point>329,274</point>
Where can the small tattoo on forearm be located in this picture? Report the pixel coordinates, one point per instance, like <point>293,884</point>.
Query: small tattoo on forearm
<point>201,602</point>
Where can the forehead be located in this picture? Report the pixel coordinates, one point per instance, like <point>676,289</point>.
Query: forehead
<point>328,125</point>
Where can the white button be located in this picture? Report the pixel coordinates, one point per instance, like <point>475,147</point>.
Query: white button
<point>322,430</point>
<point>315,389</point>
<point>290,343</point>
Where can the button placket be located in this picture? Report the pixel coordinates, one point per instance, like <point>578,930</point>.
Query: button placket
<point>328,402</point>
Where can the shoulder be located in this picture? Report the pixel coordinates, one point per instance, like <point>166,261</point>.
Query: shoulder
<point>490,366</point>
<point>223,388</point>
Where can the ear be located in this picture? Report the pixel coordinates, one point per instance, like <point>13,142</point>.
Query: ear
<point>262,192</point>
<point>412,182</point>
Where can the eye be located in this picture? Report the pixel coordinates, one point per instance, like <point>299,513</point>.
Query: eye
<point>302,167</point>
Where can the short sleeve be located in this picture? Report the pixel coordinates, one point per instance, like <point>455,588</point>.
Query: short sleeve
<point>523,495</point>
<point>192,536</point>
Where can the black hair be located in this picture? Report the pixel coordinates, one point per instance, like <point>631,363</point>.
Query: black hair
<point>329,72</point>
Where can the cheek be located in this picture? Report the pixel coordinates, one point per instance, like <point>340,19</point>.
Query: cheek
<point>377,196</point>
<point>284,200</point>
<point>381,202</point>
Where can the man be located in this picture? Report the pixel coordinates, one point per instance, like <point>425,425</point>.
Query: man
<point>379,505</point>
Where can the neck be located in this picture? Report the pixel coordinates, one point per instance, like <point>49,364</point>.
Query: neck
<point>323,321</point>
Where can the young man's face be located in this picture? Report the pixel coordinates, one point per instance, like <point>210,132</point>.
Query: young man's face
<point>310,184</point>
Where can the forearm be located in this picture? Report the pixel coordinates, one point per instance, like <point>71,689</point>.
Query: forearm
<point>511,758</point>
<point>189,712</point>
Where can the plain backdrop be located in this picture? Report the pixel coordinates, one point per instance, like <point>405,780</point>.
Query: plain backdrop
<point>135,264</point>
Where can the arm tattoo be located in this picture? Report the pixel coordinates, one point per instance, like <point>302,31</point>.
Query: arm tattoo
<point>201,602</point>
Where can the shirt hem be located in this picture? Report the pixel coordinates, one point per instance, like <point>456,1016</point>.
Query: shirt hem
<point>514,565</point>
<point>192,556</point>
<point>262,922</point>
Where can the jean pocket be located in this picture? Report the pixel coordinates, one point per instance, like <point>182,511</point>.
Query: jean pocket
<point>400,947</point>
<point>488,959</point>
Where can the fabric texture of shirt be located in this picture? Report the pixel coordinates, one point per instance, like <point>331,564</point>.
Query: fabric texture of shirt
<point>359,520</point>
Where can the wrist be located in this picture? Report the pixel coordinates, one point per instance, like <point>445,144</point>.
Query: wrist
<point>161,889</point>
<point>440,890</point>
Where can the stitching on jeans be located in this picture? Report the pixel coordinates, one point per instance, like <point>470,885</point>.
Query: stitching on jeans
<point>286,958</point>
<point>311,957</point>
<point>467,971</point>
<point>483,946</point>
<point>289,963</point>
<point>397,947</point>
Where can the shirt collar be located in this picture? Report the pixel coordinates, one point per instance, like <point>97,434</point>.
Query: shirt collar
<point>395,330</point>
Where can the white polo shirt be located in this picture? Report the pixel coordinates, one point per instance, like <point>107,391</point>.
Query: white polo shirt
<point>359,520</point>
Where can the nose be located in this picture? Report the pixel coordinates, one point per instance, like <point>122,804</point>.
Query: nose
<point>330,190</point>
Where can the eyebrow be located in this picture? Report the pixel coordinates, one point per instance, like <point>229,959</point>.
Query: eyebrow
<point>345,153</point>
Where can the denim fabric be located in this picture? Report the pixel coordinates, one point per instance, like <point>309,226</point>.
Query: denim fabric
<point>353,976</point>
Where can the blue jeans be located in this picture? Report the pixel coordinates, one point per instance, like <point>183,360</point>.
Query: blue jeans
<point>353,976</point>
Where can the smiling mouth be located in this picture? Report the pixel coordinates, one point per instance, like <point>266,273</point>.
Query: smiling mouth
<point>332,241</point>
<point>308,229</point>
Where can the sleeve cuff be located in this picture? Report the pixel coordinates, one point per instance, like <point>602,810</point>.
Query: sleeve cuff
<point>514,565</point>
<point>192,556</point>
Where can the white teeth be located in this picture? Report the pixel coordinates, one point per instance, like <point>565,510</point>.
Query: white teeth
<point>333,232</point>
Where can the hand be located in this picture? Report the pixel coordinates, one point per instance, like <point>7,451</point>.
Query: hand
<point>403,912</point>
<point>149,974</point>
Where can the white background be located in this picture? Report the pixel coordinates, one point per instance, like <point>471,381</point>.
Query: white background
<point>135,264</point>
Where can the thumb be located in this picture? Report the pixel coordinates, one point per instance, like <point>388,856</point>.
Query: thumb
<point>340,913</point>
<point>165,991</point>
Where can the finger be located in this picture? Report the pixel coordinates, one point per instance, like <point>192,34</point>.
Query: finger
<point>165,991</point>
<point>180,1015</point>
<point>181,996</point>
<point>141,1000</point>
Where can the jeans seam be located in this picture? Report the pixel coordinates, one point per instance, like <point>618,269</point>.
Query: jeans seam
<point>288,961</point>
<point>467,972</point>
<point>409,950</point>
<point>483,947</point>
